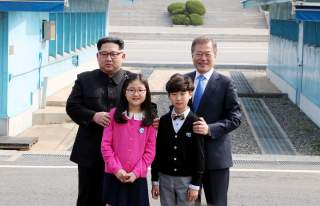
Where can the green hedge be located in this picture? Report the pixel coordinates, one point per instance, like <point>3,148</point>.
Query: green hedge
<point>174,6</point>
<point>178,11</point>
<point>196,19</point>
<point>195,7</point>
<point>180,19</point>
<point>187,13</point>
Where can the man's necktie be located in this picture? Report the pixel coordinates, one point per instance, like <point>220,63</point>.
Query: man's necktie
<point>198,93</point>
<point>177,116</point>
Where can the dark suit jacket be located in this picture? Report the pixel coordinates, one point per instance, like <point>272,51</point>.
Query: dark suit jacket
<point>93,92</point>
<point>220,108</point>
<point>178,154</point>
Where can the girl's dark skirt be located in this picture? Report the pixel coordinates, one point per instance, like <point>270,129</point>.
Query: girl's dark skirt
<point>116,193</point>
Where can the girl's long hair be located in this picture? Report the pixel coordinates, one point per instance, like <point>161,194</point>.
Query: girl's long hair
<point>146,106</point>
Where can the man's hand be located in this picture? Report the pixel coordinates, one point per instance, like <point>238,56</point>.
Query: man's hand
<point>155,192</point>
<point>121,175</point>
<point>155,123</point>
<point>102,118</point>
<point>130,177</point>
<point>200,127</point>
<point>192,194</point>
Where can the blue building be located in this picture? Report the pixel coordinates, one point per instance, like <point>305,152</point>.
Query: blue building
<point>294,51</point>
<point>39,40</point>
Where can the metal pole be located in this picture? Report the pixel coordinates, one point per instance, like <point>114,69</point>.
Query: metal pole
<point>300,63</point>
<point>107,18</point>
<point>44,93</point>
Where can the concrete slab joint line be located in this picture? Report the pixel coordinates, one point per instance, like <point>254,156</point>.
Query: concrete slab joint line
<point>241,82</point>
<point>160,65</point>
<point>268,133</point>
<point>68,141</point>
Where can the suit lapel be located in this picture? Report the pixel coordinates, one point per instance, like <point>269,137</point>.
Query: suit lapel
<point>208,92</point>
<point>169,120</point>
<point>192,75</point>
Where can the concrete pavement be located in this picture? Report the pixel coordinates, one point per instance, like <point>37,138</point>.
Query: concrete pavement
<point>177,53</point>
<point>37,178</point>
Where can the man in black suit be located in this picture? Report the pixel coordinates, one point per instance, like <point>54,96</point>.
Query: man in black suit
<point>216,103</point>
<point>93,95</point>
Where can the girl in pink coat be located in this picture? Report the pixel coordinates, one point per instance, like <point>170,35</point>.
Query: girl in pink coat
<point>128,145</point>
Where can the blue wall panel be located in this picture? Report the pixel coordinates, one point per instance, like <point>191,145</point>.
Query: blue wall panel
<point>94,28</point>
<point>283,53</point>
<point>60,36</point>
<point>73,37</point>
<point>66,32</point>
<point>287,29</point>
<point>78,30</point>
<point>53,43</point>
<point>105,26</point>
<point>311,62</point>
<point>3,63</point>
<point>312,33</point>
<point>311,74</point>
<point>89,28</point>
<point>84,29</point>
<point>100,22</point>
<point>283,59</point>
<point>87,6</point>
<point>28,55</point>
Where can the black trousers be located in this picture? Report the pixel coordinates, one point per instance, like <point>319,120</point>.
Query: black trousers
<point>90,186</point>
<point>215,185</point>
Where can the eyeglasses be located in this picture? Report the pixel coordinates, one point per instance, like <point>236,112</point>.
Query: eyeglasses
<point>133,91</point>
<point>112,54</point>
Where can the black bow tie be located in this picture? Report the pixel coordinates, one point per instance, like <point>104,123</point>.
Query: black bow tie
<point>177,116</point>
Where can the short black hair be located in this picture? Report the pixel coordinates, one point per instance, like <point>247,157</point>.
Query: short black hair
<point>179,83</point>
<point>110,39</point>
<point>123,105</point>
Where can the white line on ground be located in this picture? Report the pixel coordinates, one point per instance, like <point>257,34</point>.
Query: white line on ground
<point>232,170</point>
<point>38,167</point>
<point>275,171</point>
<point>14,157</point>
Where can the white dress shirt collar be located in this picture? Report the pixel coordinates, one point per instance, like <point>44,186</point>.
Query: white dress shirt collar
<point>135,116</point>
<point>185,113</point>
<point>177,123</point>
<point>207,75</point>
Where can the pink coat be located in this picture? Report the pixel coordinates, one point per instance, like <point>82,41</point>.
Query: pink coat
<point>128,146</point>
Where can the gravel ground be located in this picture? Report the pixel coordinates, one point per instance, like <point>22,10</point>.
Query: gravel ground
<point>303,133</point>
<point>242,139</point>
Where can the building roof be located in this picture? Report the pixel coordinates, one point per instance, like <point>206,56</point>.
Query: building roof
<point>308,10</point>
<point>33,5</point>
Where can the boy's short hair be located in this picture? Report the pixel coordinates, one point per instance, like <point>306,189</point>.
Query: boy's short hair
<point>179,83</point>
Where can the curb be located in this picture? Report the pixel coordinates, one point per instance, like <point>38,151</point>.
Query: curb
<point>189,65</point>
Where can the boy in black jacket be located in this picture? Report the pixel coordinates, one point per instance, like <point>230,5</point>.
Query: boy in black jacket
<point>179,163</point>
